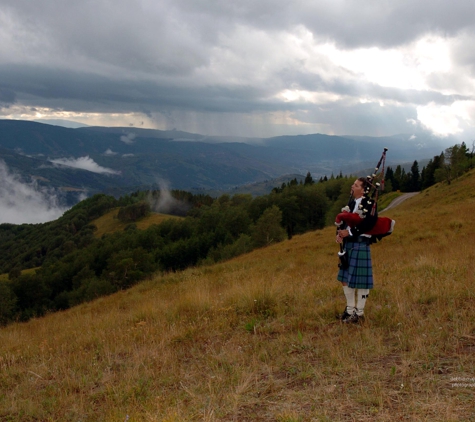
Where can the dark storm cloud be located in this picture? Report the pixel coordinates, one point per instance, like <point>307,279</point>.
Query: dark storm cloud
<point>210,56</point>
<point>96,93</point>
<point>392,23</point>
<point>7,96</point>
<point>128,34</point>
<point>351,23</point>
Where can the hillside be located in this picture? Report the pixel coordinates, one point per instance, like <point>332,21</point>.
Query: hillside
<point>122,160</point>
<point>108,223</point>
<point>255,338</point>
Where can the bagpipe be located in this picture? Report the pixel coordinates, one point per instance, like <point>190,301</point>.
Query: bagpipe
<point>383,225</point>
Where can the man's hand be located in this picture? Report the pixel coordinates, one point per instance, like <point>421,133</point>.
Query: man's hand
<point>341,235</point>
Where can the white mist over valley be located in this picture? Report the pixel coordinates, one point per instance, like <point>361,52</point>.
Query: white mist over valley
<point>22,202</point>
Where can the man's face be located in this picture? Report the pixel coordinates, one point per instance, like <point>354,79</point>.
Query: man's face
<point>357,189</point>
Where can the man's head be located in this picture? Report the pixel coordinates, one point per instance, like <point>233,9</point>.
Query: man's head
<point>358,187</point>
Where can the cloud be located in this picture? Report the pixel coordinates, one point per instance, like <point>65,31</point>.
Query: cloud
<point>249,68</point>
<point>448,119</point>
<point>109,152</point>
<point>128,139</point>
<point>84,163</point>
<point>22,202</point>
<point>166,203</point>
<point>7,96</point>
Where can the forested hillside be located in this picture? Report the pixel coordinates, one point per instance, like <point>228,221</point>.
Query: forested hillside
<point>70,264</point>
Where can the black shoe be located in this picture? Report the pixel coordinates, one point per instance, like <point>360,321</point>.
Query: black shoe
<point>343,316</point>
<point>351,319</point>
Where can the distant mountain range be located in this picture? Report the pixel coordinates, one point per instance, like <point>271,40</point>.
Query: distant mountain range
<point>118,160</point>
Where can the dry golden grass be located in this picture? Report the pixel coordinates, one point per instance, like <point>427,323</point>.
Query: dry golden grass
<point>4,277</point>
<point>109,223</point>
<point>256,339</point>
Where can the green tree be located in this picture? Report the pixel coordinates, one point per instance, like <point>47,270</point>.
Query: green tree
<point>471,155</point>
<point>428,173</point>
<point>308,179</point>
<point>388,187</point>
<point>8,302</point>
<point>444,172</point>
<point>458,155</point>
<point>397,179</point>
<point>33,295</point>
<point>342,201</point>
<point>288,205</point>
<point>134,212</point>
<point>14,273</point>
<point>267,229</point>
<point>454,162</point>
<point>389,179</point>
<point>413,183</point>
<point>241,199</point>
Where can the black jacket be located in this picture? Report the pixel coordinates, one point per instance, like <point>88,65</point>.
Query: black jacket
<point>368,221</point>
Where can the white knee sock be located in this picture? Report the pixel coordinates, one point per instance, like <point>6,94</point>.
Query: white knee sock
<point>350,299</point>
<point>362,296</point>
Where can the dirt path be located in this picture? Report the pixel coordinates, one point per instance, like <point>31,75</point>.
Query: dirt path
<point>399,200</point>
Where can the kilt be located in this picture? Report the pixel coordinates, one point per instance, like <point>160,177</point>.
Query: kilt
<point>359,274</point>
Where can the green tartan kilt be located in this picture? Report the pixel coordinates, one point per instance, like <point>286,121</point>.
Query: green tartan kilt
<point>359,274</point>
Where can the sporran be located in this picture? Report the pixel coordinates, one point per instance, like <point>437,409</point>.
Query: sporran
<point>343,263</point>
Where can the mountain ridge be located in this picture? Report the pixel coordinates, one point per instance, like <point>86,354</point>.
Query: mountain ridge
<point>146,157</point>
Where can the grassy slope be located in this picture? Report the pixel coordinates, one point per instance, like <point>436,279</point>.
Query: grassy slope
<point>4,277</point>
<point>386,199</point>
<point>108,223</point>
<point>255,339</point>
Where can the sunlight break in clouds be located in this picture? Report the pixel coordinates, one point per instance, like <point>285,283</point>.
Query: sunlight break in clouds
<point>446,120</point>
<point>84,163</point>
<point>26,202</point>
<point>405,67</point>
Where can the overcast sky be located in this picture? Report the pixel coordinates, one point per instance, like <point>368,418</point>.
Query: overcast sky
<point>246,68</point>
